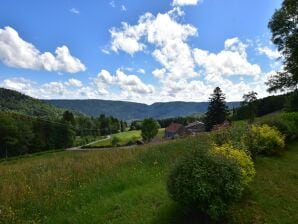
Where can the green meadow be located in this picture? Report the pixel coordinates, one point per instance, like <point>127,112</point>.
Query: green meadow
<point>129,186</point>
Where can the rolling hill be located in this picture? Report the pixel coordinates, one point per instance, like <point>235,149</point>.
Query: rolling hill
<point>18,102</point>
<point>11,100</point>
<point>133,111</point>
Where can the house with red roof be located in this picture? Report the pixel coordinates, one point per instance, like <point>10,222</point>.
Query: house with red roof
<point>174,130</point>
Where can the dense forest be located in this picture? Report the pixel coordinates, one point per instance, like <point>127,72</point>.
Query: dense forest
<point>267,105</point>
<point>30,125</point>
<point>11,100</point>
<point>21,134</point>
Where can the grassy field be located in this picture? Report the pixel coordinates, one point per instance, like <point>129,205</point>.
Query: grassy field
<point>129,186</point>
<point>124,138</point>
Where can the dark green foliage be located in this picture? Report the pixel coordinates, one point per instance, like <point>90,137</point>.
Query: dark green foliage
<point>284,28</point>
<point>205,182</point>
<point>136,125</point>
<point>68,117</point>
<point>149,129</point>
<point>115,141</point>
<point>180,120</point>
<point>262,106</point>
<point>286,123</point>
<point>11,100</point>
<point>217,110</point>
<point>22,134</point>
<point>292,102</point>
<point>292,120</point>
<point>250,99</point>
<point>123,126</point>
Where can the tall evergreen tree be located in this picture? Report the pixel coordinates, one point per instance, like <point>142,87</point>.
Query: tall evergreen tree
<point>217,109</point>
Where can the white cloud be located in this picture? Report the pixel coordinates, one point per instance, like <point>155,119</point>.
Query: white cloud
<point>74,11</point>
<point>270,53</point>
<point>185,2</point>
<point>141,71</point>
<point>105,51</point>
<point>18,84</point>
<point>15,52</point>
<point>131,85</point>
<point>123,8</point>
<point>166,34</point>
<point>105,76</point>
<point>54,89</point>
<point>74,83</point>
<point>228,62</point>
<point>127,39</point>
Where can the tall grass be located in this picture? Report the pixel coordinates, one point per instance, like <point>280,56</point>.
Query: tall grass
<point>44,188</point>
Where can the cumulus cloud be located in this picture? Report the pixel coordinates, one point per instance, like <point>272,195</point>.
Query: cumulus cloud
<point>166,34</point>
<point>185,2</point>
<point>17,53</point>
<point>185,70</point>
<point>129,84</point>
<point>18,84</point>
<point>270,53</point>
<point>74,83</point>
<point>232,60</point>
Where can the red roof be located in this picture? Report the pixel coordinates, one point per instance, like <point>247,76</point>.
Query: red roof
<point>174,127</point>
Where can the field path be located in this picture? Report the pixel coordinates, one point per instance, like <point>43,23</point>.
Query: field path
<point>80,147</point>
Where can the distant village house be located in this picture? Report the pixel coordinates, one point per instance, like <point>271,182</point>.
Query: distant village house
<point>195,127</point>
<point>176,130</point>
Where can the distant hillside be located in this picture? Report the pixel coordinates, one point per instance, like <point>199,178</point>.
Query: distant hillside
<point>133,111</point>
<point>14,101</point>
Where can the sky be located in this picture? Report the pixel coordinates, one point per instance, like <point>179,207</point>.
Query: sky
<point>140,51</point>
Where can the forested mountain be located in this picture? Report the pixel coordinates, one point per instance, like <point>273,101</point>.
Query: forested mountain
<point>11,100</point>
<point>264,106</point>
<point>134,111</point>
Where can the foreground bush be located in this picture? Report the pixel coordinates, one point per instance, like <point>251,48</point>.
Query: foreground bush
<point>231,135</point>
<point>286,123</point>
<point>206,181</point>
<point>242,159</point>
<point>263,139</point>
<point>292,121</point>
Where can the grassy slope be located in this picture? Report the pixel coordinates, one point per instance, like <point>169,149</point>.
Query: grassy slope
<point>124,138</point>
<point>273,196</point>
<point>129,186</point>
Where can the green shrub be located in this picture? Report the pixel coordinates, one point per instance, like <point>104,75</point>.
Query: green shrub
<point>279,124</point>
<point>292,121</point>
<point>231,135</point>
<point>206,181</point>
<point>263,139</point>
<point>242,159</point>
<point>115,141</point>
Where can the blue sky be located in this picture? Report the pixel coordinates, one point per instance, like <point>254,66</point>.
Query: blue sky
<point>143,51</point>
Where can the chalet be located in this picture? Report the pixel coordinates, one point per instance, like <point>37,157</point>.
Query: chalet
<point>174,130</point>
<point>195,127</point>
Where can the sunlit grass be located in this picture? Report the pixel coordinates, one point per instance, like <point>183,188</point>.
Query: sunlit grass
<point>124,138</point>
<point>129,186</point>
<point>52,188</point>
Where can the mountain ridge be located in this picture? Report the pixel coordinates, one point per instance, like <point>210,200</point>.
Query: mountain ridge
<point>134,111</point>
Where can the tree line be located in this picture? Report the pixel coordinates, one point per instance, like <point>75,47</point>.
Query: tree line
<point>21,134</point>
